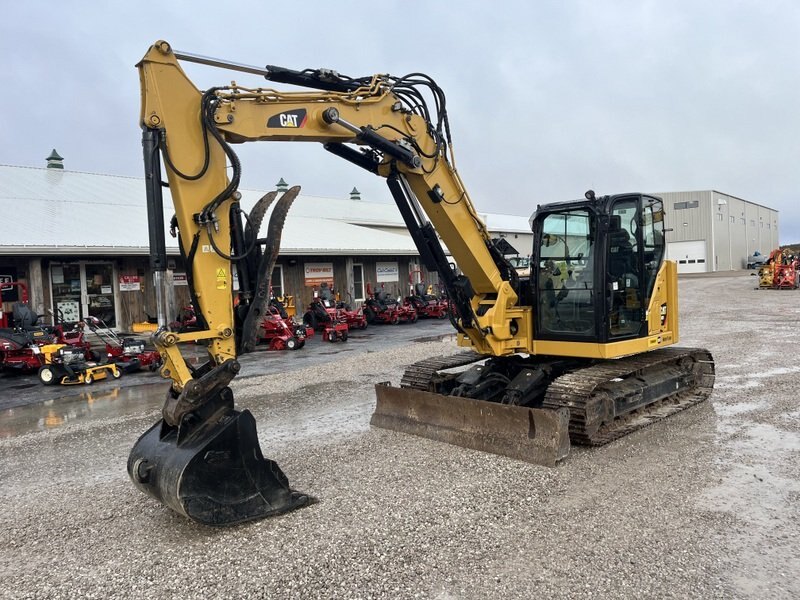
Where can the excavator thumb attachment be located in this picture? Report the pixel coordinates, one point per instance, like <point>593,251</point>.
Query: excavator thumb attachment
<point>211,469</point>
<point>535,435</point>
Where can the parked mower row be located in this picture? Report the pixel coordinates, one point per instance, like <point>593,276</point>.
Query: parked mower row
<point>63,353</point>
<point>334,318</point>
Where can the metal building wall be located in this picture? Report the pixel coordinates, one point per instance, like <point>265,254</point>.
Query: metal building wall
<point>732,228</point>
<point>689,224</point>
<point>743,228</point>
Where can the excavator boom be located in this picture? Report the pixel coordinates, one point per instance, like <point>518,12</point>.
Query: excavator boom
<point>599,287</point>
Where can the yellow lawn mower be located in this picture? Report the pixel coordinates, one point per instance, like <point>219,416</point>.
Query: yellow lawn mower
<point>68,366</point>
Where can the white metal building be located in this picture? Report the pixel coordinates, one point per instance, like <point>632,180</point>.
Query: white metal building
<point>712,231</point>
<point>80,243</point>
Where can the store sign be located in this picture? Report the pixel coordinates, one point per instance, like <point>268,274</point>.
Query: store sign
<point>129,283</point>
<point>179,279</point>
<point>387,271</point>
<point>317,273</point>
<point>8,293</point>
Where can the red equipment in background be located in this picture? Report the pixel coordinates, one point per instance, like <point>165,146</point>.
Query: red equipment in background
<point>322,315</point>
<point>380,308</point>
<point>355,319</point>
<point>72,336</point>
<point>19,351</point>
<point>6,320</point>
<point>22,336</point>
<point>785,273</point>
<point>427,305</point>
<point>129,353</point>
<point>330,301</point>
<point>299,329</point>
<point>279,331</point>
<point>186,321</point>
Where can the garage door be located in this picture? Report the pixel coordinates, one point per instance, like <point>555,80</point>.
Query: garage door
<point>690,256</point>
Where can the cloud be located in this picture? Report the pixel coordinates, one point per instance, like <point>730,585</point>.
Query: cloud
<point>545,99</point>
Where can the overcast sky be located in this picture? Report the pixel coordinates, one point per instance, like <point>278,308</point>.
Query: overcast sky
<point>546,99</point>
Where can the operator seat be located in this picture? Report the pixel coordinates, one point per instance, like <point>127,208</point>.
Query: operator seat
<point>625,306</point>
<point>325,293</point>
<point>620,258</point>
<point>24,317</point>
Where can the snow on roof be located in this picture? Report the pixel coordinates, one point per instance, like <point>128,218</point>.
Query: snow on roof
<point>53,210</point>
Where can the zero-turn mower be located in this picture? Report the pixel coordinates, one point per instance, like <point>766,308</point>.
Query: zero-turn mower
<point>68,366</point>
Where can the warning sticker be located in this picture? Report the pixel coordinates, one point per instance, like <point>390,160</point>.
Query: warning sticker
<point>222,279</point>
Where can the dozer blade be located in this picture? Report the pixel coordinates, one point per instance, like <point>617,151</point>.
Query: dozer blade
<point>539,436</point>
<point>213,473</point>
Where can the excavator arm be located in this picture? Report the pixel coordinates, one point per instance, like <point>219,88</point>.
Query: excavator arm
<point>522,393</point>
<point>203,459</point>
<point>400,139</point>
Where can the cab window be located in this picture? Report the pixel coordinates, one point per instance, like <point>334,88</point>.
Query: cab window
<point>565,276</point>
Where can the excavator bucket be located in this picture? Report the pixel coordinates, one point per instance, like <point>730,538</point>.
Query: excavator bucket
<point>213,473</point>
<point>534,435</point>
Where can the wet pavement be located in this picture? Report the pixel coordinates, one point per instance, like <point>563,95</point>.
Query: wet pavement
<point>705,504</point>
<point>27,405</point>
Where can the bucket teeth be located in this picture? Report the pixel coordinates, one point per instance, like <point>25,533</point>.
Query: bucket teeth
<point>215,474</point>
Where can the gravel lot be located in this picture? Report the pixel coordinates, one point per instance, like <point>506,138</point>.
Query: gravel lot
<point>704,505</point>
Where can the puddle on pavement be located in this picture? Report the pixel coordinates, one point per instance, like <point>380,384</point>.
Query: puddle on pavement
<point>323,417</point>
<point>726,383</point>
<point>732,410</point>
<point>23,386</point>
<point>57,412</point>
<point>774,372</point>
<point>435,338</point>
<point>765,440</point>
<point>753,494</point>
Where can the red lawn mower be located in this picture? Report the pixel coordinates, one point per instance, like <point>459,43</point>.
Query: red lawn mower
<point>322,315</point>
<point>427,305</point>
<point>72,334</point>
<point>128,353</point>
<point>21,345</point>
<point>355,319</point>
<point>280,332</point>
<point>19,350</point>
<point>380,308</point>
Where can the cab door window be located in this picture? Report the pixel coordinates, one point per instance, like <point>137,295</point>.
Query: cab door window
<point>625,277</point>
<point>653,240</point>
<point>565,276</point>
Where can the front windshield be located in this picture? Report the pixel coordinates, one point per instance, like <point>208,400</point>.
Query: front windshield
<point>565,275</point>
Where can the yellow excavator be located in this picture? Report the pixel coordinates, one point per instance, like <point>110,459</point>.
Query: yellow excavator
<point>582,351</point>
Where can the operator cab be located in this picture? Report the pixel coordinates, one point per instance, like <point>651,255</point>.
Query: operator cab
<point>594,267</point>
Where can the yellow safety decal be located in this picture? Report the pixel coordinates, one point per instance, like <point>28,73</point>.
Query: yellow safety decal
<point>222,279</point>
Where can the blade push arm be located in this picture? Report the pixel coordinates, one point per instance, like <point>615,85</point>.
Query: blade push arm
<point>388,119</point>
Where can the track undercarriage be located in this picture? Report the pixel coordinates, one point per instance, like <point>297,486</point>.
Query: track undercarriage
<point>518,399</point>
